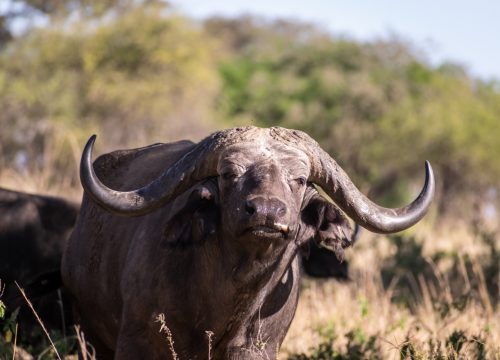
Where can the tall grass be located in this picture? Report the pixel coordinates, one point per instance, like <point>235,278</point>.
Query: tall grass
<point>440,309</point>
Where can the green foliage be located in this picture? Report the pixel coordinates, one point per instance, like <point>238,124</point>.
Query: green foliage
<point>8,327</point>
<point>64,345</point>
<point>407,350</point>
<point>145,75</point>
<point>41,350</point>
<point>365,306</point>
<point>33,340</point>
<point>326,331</point>
<point>377,107</point>
<point>456,340</point>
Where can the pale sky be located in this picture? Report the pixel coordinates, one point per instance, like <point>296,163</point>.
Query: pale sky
<point>465,32</point>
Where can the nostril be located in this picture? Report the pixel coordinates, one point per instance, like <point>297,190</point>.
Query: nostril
<point>249,207</point>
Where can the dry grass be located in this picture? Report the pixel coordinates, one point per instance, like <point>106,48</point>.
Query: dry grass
<point>21,290</point>
<point>168,335</point>
<point>365,307</point>
<point>87,351</point>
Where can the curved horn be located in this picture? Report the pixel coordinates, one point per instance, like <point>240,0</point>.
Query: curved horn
<point>196,165</point>
<point>326,173</point>
<point>372,216</point>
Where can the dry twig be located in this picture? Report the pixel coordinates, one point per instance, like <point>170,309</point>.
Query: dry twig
<point>164,328</point>
<point>38,319</point>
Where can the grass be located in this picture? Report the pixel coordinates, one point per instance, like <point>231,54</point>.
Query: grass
<point>407,300</point>
<point>52,346</point>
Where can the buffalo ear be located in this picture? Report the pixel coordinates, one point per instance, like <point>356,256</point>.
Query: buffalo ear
<point>195,218</point>
<point>326,224</point>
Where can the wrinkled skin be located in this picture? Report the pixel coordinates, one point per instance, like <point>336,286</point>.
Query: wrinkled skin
<point>33,232</point>
<point>257,191</point>
<point>220,257</point>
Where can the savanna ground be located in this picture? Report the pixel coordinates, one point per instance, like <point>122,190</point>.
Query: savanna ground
<point>138,72</point>
<point>411,297</point>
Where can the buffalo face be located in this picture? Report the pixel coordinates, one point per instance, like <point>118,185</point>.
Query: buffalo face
<point>262,187</point>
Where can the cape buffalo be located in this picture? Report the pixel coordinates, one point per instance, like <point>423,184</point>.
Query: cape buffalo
<point>208,234</point>
<point>33,233</point>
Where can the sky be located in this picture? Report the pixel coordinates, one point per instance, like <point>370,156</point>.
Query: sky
<point>463,31</point>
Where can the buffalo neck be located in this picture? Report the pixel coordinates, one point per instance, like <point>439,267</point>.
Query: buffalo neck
<point>223,287</point>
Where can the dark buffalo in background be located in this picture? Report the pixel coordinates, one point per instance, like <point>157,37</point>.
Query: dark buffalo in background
<point>33,233</point>
<point>320,262</point>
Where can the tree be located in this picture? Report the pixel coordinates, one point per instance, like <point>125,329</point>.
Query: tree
<point>379,108</point>
<point>144,76</point>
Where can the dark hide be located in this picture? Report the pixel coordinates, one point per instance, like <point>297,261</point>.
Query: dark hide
<point>33,234</point>
<point>319,262</point>
<point>179,261</point>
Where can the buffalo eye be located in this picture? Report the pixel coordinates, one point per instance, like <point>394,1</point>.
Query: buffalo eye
<point>228,175</point>
<point>301,181</point>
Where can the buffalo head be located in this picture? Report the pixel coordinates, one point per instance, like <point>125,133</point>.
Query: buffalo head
<point>262,174</point>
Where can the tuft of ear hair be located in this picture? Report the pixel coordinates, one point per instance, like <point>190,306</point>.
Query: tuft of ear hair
<point>195,218</point>
<point>334,231</point>
<point>331,227</point>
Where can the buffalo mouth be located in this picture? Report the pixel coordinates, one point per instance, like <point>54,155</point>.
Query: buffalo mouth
<point>275,231</point>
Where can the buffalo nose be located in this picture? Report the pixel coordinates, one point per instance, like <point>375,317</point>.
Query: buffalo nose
<point>266,208</point>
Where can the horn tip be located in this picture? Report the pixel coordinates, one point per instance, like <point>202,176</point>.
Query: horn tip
<point>428,168</point>
<point>86,160</point>
<point>429,180</point>
<point>90,141</point>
